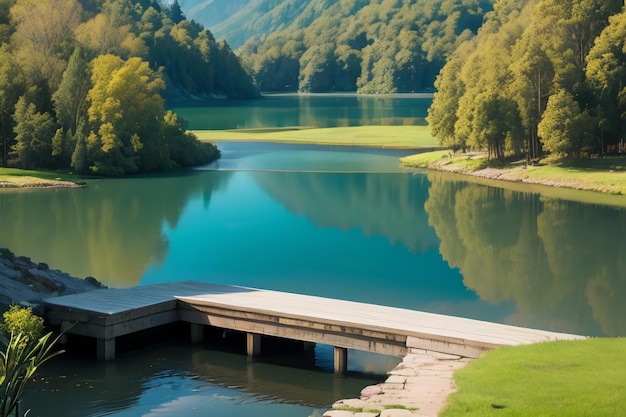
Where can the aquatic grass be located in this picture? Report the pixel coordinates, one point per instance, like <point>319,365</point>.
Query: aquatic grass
<point>379,136</point>
<point>564,378</point>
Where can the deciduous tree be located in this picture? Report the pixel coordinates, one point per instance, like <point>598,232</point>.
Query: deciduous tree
<point>556,126</point>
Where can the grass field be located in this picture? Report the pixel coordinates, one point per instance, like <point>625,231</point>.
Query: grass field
<point>566,378</point>
<point>378,136</point>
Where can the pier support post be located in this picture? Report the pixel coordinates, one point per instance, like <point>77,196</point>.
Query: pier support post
<point>341,360</point>
<point>106,349</point>
<point>197,333</point>
<point>253,345</point>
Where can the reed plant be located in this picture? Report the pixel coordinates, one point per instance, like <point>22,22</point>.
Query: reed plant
<point>25,347</point>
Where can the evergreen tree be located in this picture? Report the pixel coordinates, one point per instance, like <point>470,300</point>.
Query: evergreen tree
<point>33,135</point>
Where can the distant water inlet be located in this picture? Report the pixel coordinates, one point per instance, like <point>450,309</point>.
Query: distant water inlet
<point>321,110</point>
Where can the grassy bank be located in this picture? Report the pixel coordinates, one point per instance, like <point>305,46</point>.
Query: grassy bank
<point>605,175</point>
<point>573,378</point>
<point>407,137</point>
<point>23,178</point>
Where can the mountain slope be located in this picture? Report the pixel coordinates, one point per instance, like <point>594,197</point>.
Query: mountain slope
<point>369,46</point>
<point>239,20</point>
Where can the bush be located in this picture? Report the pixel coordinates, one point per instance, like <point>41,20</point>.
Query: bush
<point>24,351</point>
<point>22,320</point>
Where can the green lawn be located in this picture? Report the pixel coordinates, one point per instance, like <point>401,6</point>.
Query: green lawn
<point>600,173</point>
<point>573,378</point>
<point>378,136</point>
<point>47,175</point>
<point>606,175</point>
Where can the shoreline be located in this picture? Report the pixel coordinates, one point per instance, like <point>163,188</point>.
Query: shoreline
<point>587,184</point>
<point>25,182</point>
<point>518,175</point>
<point>419,386</point>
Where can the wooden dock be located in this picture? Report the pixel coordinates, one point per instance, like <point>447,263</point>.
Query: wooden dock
<point>109,313</point>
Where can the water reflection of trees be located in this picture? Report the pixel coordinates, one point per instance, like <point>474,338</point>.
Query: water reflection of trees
<point>357,110</point>
<point>389,205</point>
<point>558,261</point>
<point>112,230</point>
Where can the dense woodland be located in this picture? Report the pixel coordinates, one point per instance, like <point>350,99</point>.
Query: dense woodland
<point>82,84</point>
<point>540,76</point>
<point>368,46</point>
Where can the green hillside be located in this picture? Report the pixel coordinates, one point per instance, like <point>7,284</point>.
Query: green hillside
<point>239,20</point>
<point>369,46</point>
<point>83,82</point>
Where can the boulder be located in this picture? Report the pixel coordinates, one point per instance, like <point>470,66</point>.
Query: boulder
<point>27,283</point>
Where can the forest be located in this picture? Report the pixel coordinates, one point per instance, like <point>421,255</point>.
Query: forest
<point>83,84</point>
<point>379,46</point>
<point>541,76</point>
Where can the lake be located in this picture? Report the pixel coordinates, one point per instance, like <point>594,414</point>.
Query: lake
<point>328,221</point>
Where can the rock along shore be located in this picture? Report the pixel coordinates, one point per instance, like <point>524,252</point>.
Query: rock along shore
<point>417,387</point>
<point>28,283</point>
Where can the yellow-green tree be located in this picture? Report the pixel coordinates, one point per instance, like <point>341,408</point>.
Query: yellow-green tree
<point>44,29</point>
<point>125,106</point>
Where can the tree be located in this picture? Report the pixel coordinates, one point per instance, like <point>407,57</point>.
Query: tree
<point>175,12</point>
<point>125,105</point>
<point>556,127</point>
<point>6,26</point>
<point>606,74</point>
<point>100,35</point>
<point>70,101</point>
<point>11,87</point>
<point>130,129</point>
<point>44,29</point>
<point>33,135</point>
<point>317,69</point>
<point>450,89</point>
<point>497,122</point>
<point>532,82</point>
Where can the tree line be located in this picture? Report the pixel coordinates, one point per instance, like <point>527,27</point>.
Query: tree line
<point>368,46</point>
<point>540,76</point>
<point>82,84</point>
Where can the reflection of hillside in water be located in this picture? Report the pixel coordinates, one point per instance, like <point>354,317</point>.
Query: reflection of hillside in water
<point>560,262</point>
<point>389,205</point>
<point>111,230</point>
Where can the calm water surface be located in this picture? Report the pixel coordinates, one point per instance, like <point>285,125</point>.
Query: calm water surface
<point>304,219</point>
<point>326,110</point>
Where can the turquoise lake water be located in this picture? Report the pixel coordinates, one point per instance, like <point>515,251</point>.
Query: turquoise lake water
<point>335,222</point>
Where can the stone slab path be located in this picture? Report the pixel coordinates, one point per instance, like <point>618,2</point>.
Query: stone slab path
<point>420,384</point>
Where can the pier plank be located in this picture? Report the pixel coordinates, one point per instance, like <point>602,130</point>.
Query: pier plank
<point>109,313</point>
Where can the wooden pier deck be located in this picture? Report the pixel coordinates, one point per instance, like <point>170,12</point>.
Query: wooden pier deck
<point>109,313</point>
